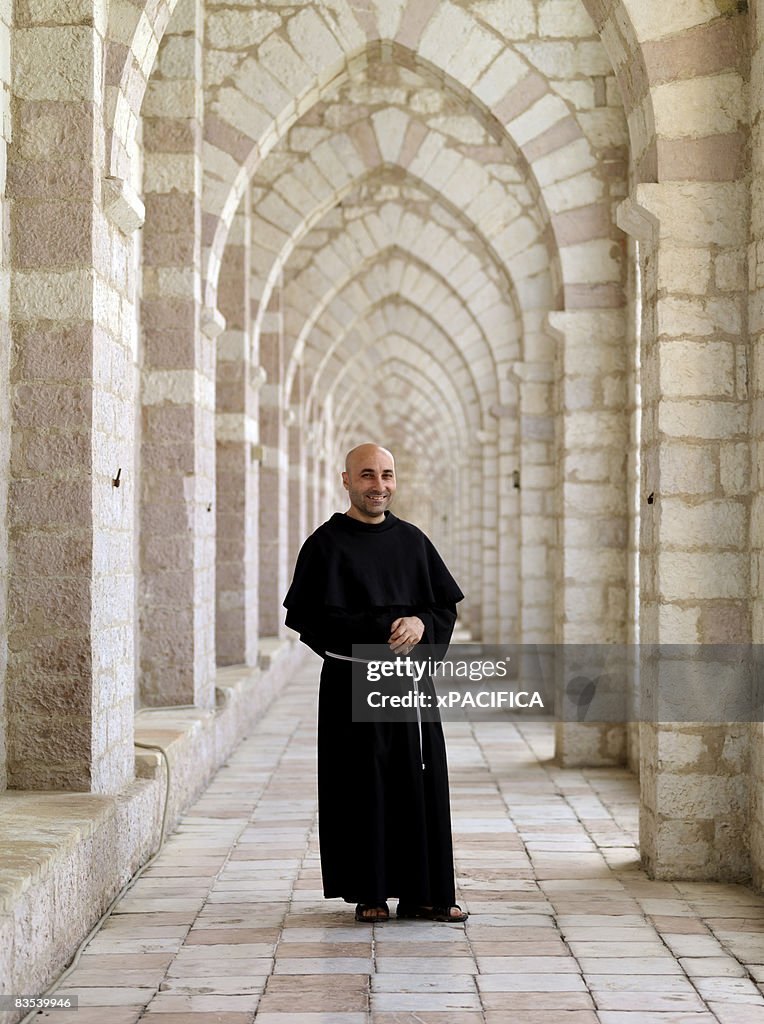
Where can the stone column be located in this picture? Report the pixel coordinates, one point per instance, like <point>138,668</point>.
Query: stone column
<point>538,526</point>
<point>5,349</point>
<point>756,342</point>
<point>694,566</point>
<point>236,470</point>
<point>71,670</point>
<point>274,473</point>
<point>459,516</point>
<point>177,523</point>
<point>298,475</point>
<point>508,524</point>
<point>592,442</point>
<point>472,612</point>
<point>488,536</point>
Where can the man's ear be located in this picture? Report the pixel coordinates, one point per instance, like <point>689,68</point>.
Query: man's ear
<point>345,480</point>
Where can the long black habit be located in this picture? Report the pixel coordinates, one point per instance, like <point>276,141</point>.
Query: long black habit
<point>384,821</point>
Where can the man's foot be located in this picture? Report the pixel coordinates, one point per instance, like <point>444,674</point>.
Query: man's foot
<point>372,913</point>
<point>453,913</point>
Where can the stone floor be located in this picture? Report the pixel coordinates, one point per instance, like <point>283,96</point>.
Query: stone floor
<point>229,925</point>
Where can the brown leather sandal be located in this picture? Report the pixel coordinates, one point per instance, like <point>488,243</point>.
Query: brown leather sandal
<point>432,913</point>
<point>376,912</point>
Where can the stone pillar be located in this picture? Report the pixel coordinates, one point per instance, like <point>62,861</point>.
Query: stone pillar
<point>71,671</point>
<point>274,473</point>
<point>298,475</point>
<point>538,526</point>
<point>5,349</point>
<point>236,471</point>
<point>488,536</point>
<point>756,348</point>
<point>592,442</point>
<point>472,612</point>
<point>177,521</point>
<point>508,525</point>
<point>694,566</point>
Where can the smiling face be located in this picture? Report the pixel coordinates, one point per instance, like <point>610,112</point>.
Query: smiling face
<point>369,479</point>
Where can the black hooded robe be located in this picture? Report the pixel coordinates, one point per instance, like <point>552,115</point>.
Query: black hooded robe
<point>384,821</point>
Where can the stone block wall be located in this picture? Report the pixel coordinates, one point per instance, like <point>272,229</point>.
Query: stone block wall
<point>5,351</point>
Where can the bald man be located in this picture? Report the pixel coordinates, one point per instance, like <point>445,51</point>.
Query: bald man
<point>367,577</point>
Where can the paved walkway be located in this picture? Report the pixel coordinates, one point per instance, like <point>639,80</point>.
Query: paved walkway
<point>229,925</point>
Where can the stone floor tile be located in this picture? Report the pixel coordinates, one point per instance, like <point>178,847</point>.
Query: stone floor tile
<point>554,947</point>
<point>104,977</point>
<point>712,967</point>
<point>679,925</point>
<point>729,990</point>
<point>145,926</point>
<point>599,920</point>
<point>443,1001</point>
<point>322,985</point>
<point>728,925</point>
<point>544,933</point>
<point>158,904</point>
<point>327,949</point>
<point>258,967</point>
<point>224,984</point>
<point>658,1017</point>
<point>200,1017</point>
<point>392,947</point>
<point>169,1002</point>
<point>693,945</point>
<point>428,1017</point>
<point>323,965</point>
<point>561,1002</point>
<point>94,1015</point>
<point>307,1002</point>
<point>739,1013</point>
<point>227,936</point>
<point>541,1017</point>
<point>746,946</point>
<point>652,1001</point>
<point>222,952</point>
<point>479,924</point>
<point>611,948</point>
<point>108,995</point>
<point>423,983</point>
<point>527,964</point>
<point>640,983</point>
<point>125,961</point>
<point>322,935</point>
<point>102,943</point>
<point>338,993</point>
<point>425,964</point>
<point>648,965</point>
<point>530,983</point>
<point>268,1017</point>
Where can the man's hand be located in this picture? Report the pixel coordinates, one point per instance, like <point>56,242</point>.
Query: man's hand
<point>405,633</point>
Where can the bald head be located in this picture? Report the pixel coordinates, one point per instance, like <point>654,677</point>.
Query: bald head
<point>369,479</point>
<point>356,456</point>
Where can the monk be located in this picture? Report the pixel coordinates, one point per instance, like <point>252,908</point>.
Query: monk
<point>367,577</point>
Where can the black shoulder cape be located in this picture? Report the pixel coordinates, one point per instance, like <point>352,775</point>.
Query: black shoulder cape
<point>356,566</point>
